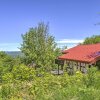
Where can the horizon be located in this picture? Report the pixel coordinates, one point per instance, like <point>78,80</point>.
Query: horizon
<point>61,43</point>
<point>68,20</point>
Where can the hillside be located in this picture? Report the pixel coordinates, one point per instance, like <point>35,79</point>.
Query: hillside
<point>14,53</point>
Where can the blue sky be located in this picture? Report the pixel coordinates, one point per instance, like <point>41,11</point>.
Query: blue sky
<point>68,19</point>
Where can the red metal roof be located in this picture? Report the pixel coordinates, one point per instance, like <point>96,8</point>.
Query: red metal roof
<point>83,53</point>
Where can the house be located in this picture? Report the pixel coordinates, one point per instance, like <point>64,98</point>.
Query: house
<point>81,57</point>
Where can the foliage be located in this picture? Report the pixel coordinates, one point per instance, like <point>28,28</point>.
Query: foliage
<point>19,82</point>
<point>6,65</point>
<point>23,83</point>
<point>92,40</point>
<point>39,46</point>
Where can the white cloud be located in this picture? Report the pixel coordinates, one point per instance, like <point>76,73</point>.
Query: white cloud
<point>9,46</point>
<point>69,41</point>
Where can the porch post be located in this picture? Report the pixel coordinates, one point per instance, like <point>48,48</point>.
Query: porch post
<point>58,69</point>
<point>80,66</point>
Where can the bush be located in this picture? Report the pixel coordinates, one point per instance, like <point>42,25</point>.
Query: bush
<point>23,83</point>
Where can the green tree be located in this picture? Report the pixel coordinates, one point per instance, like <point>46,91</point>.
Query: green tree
<point>7,61</point>
<point>92,40</point>
<point>39,46</point>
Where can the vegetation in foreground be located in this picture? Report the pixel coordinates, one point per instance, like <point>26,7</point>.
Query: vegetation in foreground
<point>19,82</point>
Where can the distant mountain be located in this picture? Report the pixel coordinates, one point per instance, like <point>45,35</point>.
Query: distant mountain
<point>14,53</point>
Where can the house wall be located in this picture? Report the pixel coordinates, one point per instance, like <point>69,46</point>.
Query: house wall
<point>74,66</point>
